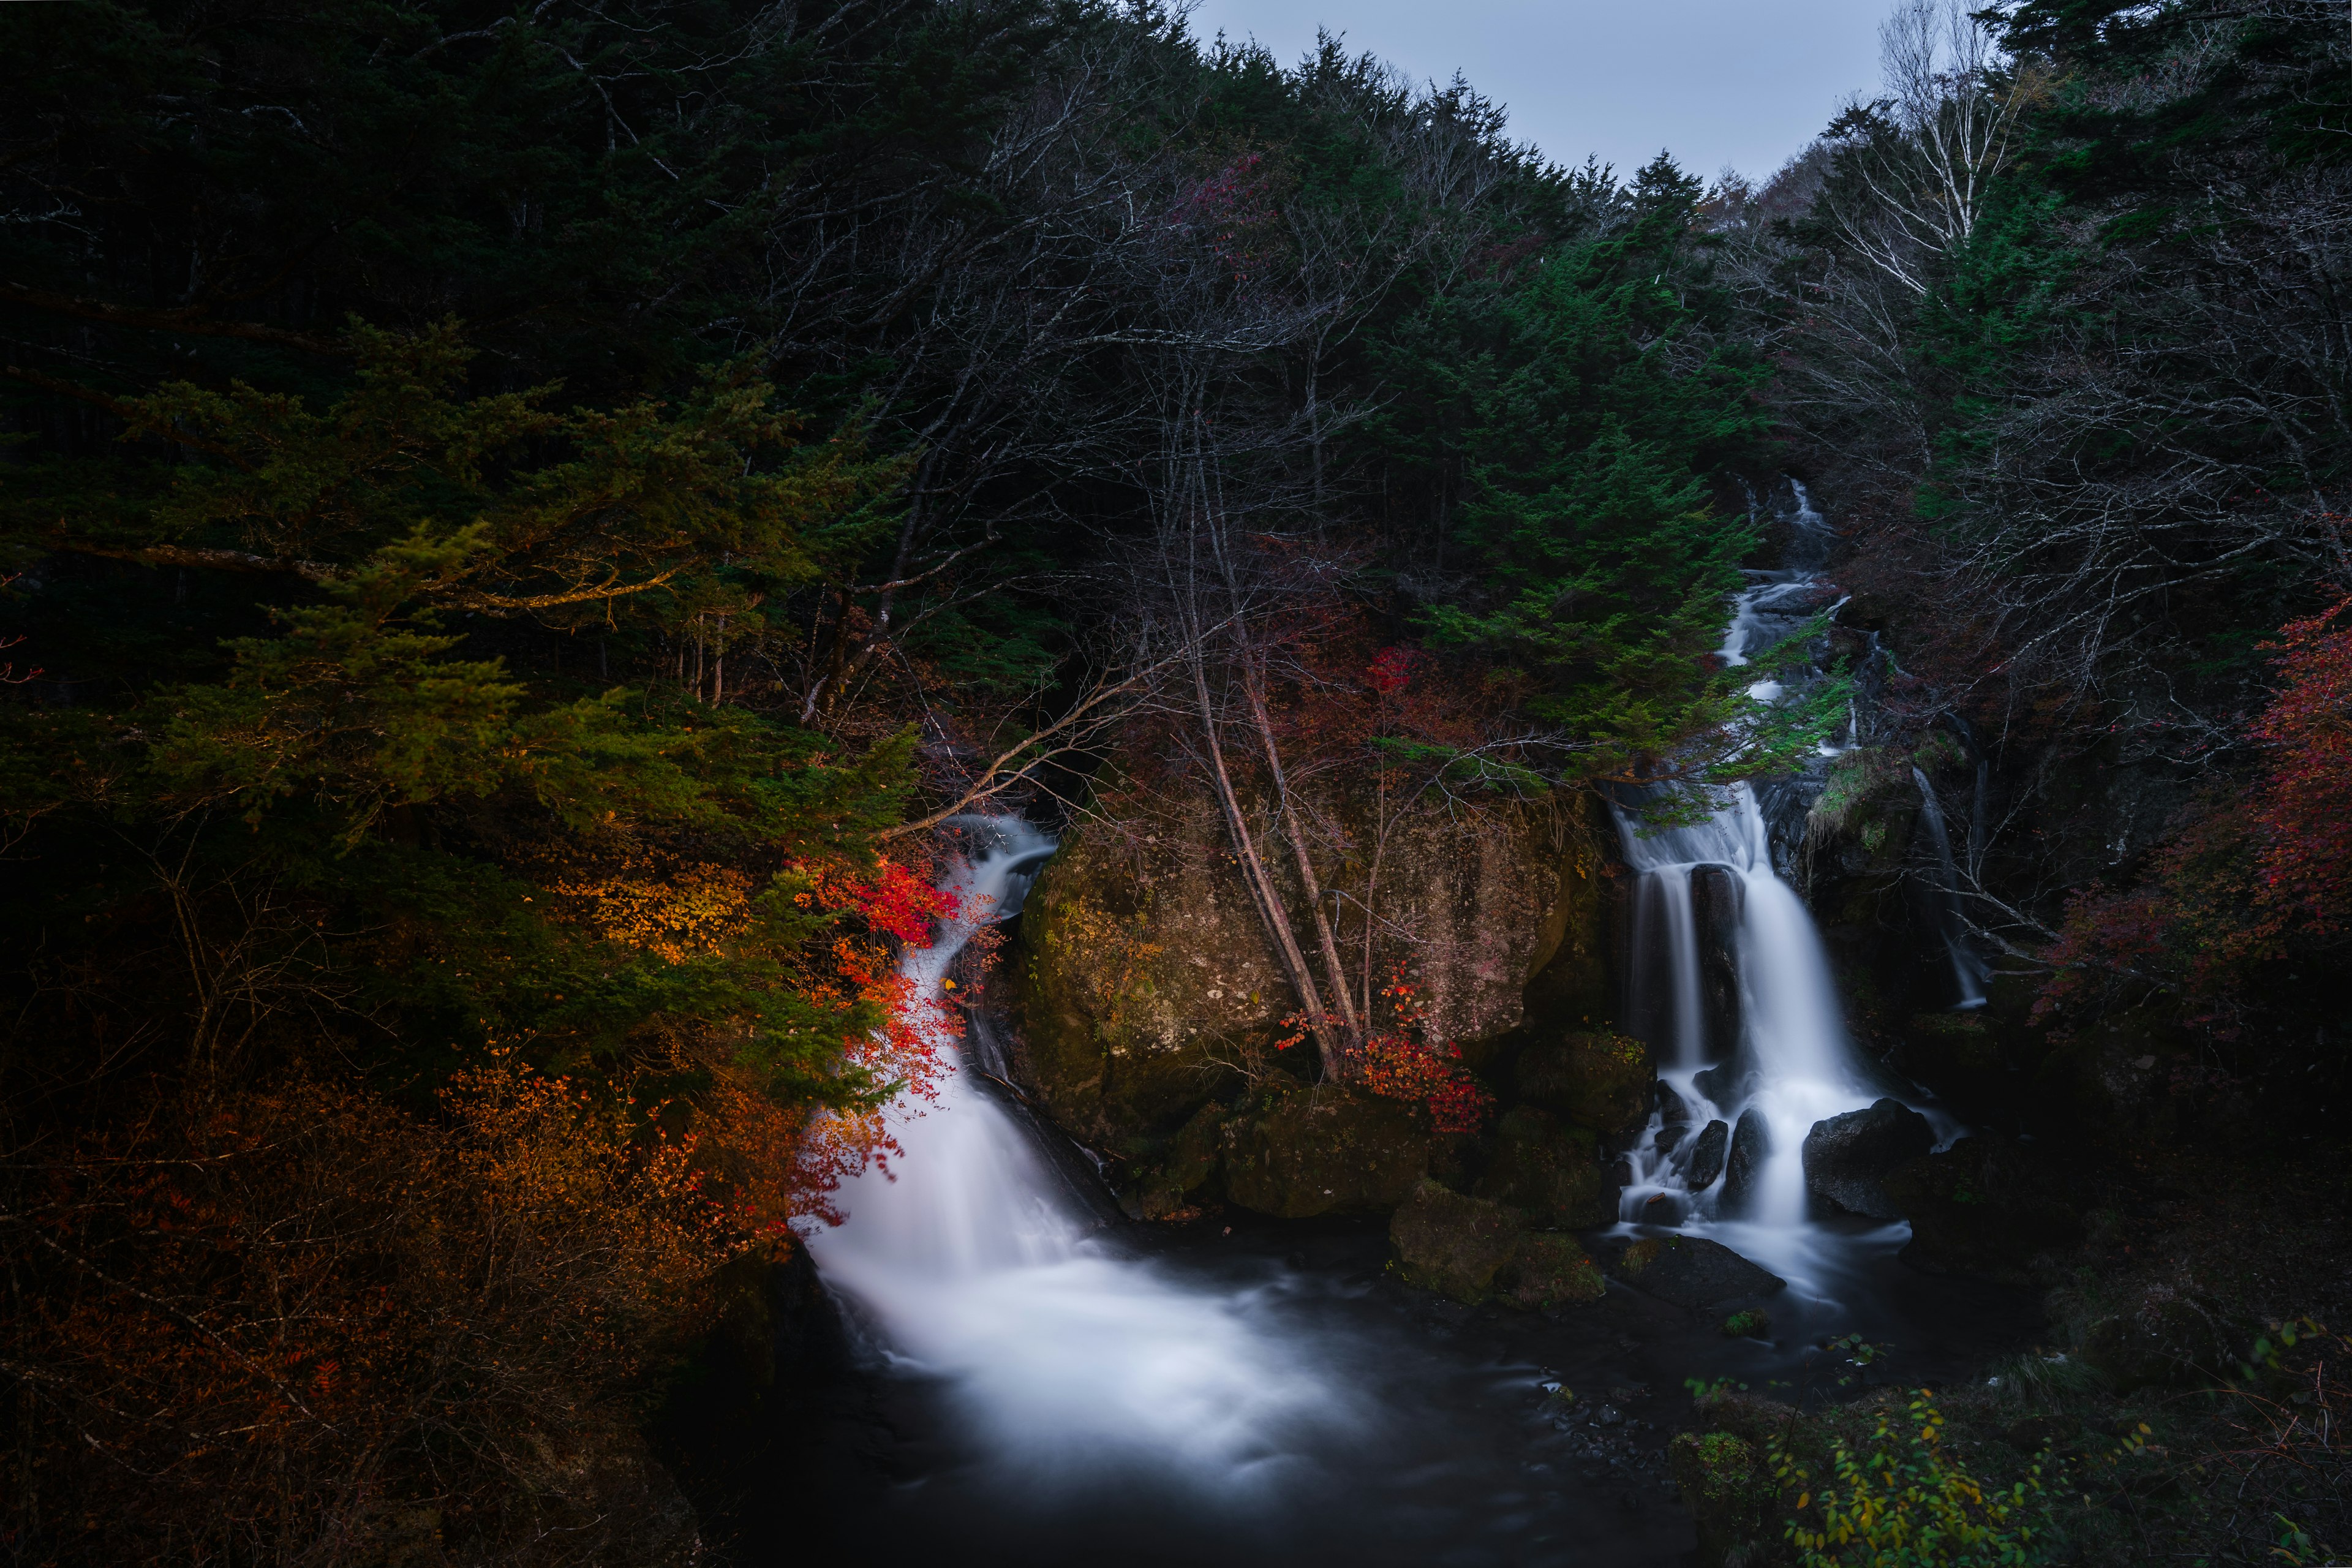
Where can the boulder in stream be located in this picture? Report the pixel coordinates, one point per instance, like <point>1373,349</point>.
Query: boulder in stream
<point>1692,1271</point>
<point>1548,1269</point>
<point>1548,1169</point>
<point>1598,1081</point>
<point>1847,1157</point>
<point>1751,1141</point>
<point>1706,1156</point>
<point>1452,1244</point>
<point>1295,1152</point>
<point>1474,1250</point>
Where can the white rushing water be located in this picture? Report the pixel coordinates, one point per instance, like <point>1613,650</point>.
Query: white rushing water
<point>973,1260</point>
<point>1791,1063</point>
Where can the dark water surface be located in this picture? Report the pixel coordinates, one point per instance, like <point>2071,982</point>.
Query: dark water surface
<point>1447,1448</point>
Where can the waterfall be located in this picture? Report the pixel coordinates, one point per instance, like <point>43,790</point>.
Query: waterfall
<point>1791,1063</point>
<point>971,1260</point>
<point>1969,971</point>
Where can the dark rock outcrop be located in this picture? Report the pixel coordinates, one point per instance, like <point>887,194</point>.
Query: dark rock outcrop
<point>1185,1171</point>
<point>1474,1250</point>
<point>1691,1272</point>
<point>1847,1157</point>
<point>1597,1080</point>
<point>1548,1169</point>
<point>1297,1153</point>
<point>1715,893</point>
<point>1751,1141</point>
<point>1706,1156</point>
<point>1452,1244</point>
<point>1548,1269</point>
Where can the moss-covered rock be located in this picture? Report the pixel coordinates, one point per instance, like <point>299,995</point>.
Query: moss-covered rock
<point>1185,1171</point>
<point>1984,1207</point>
<point>1143,987</point>
<point>1295,1152</point>
<point>1454,1243</point>
<point>1728,1490</point>
<point>1597,1080</point>
<point>1549,1170</point>
<point>1548,1269</point>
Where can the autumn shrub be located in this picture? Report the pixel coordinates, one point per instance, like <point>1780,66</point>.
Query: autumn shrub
<point>303,1322</point>
<point>1901,1499</point>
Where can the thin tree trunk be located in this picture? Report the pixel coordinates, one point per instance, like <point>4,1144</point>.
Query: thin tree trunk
<point>1261,886</point>
<point>1334,968</point>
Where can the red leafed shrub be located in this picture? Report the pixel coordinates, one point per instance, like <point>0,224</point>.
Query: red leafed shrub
<point>2249,876</point>
<point>2304,806</point>
<point>1402,1063</point>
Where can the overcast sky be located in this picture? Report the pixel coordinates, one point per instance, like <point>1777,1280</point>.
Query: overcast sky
<point>1739,82</point>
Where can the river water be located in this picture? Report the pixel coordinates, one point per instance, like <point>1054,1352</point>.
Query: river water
<point>1030,1380</point>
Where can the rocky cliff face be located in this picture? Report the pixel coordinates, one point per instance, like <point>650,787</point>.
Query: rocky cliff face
<point>1143,987</point>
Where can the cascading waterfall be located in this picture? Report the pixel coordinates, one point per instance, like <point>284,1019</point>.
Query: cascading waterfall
<point>1791,1064</point>
<point>973,1260</point>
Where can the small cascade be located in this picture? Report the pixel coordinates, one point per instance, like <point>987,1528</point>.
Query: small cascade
<point>1969,972</point>
<point>1748,1068</point>
<point>973,1260</point>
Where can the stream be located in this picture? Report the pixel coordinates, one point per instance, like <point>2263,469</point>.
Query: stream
<point>1022,1377</point>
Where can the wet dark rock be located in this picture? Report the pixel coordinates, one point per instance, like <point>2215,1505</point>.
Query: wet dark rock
<point>1596,1080</point>
<point>1670,1135</point>
<point>1706,1156</point>
<point>1549,1170</point>
<point>1297,1152</point>
<point>1547,1270</point>
<point>1661,1209</point>
<point>1673,1108</point>
<point>1454,1243</point>
<point>1751,1141</point>
<point>1185,1171</point>
<point>1727,1085</point>
<point>1847,1157</point>
<point>1715,892</point>
<point>1692,1271</point>
<point>1985,1206</point>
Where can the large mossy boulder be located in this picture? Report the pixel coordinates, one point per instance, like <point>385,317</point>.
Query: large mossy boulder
<point>1452,1244</point>
<point>1848,1156</point>
<point>1143,985</point>
<point>1547,1270</point>
<point>1984,1207</point>
<point>1474,1250</point>
<point>1598,1081</point>
<point>1549,1170</point>
<point>1295,1152</point>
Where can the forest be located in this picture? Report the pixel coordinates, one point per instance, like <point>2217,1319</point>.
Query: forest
<point>534,541</point>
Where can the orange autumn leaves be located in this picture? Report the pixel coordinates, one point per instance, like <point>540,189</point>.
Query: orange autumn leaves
<point>777,1159</point>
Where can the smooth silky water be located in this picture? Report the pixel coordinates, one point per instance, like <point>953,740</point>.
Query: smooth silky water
<point>1046,1385</point>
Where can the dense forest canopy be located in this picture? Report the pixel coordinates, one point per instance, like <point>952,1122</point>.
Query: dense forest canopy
<point>517,522</point>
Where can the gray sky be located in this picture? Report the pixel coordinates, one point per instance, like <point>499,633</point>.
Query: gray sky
<point>1742,82</point>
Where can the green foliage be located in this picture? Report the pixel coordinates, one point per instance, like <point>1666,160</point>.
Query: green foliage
<point>1903,1500</point>
<point>1595,423</point>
